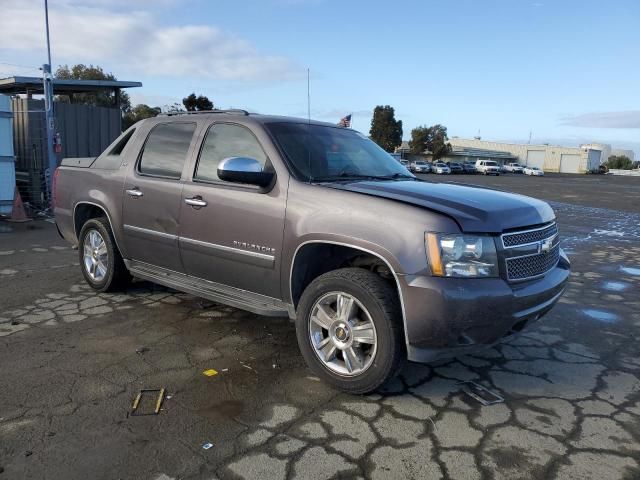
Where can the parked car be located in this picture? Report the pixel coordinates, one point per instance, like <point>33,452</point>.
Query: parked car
<point>419,166</point>
<point>487,167</point>
<point>533,171</point>
<point>405,163</point>
<point>455,167</point>
<point>514,168</point>
<point>441,168</point>
<point>469,167</point>
<point>282,217</point>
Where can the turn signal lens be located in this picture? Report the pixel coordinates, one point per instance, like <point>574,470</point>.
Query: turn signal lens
<point>433,253</point>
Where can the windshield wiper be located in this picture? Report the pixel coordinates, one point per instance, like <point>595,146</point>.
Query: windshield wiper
<point>342,177</point>
<point>355,176</point>
<point>395,176</point>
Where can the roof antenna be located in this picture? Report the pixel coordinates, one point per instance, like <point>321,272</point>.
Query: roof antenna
<point>309,123</point>
<point>309,95</point>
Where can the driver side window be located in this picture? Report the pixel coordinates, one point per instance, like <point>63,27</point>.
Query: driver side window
<point>223,141</point>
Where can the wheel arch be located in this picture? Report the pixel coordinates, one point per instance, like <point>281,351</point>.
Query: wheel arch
<point>85,210</point>
<point>352,251</point>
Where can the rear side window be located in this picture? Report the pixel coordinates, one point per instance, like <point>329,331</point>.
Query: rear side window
<point>111,160</point>
<point>117,150</point>
<point>166,149</point>
<point>224,141</point>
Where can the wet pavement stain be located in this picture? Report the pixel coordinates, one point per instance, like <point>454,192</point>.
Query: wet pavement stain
<point>615,286</point>
<point>601,315</point>
<point>221,410</point>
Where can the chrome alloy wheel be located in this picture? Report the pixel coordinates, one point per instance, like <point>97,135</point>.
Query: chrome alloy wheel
<point>95,256</point>
<point>342,334</point>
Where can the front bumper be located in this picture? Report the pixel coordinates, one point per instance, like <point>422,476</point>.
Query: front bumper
<point>447,317</point>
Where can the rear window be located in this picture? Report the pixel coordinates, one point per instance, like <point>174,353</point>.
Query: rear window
<point>166,149</point>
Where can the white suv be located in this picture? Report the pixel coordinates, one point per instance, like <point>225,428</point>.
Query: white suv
<point>514,168</point>
<point>419,166</point>
<point>487,167</point>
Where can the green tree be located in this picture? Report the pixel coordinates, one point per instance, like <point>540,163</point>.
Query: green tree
<point>199,103</point>
<point>137,113</point>
<point>101,98</point>
<point>419,138</point>
<point>621,162</point>
<point>173,108</point>
<point>386,131</point>
<point>432,139</point>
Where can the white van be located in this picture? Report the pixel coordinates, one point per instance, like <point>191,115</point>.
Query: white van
<point>487,167</point>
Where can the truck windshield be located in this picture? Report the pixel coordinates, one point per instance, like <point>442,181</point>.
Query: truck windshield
<point>325,153</point>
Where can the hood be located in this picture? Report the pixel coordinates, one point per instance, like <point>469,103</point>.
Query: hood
<point>475,209</point>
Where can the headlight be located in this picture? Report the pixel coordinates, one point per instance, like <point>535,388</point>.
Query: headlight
<point>459,255</point>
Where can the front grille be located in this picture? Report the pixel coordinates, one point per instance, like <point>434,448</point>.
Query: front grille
<point>521,268</point>
<point>530,236</point>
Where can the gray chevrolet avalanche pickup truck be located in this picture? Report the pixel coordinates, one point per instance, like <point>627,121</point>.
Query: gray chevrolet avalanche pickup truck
<point>283,216</point>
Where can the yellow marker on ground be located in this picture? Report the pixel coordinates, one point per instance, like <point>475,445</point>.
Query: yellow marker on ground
<point>210,373</point>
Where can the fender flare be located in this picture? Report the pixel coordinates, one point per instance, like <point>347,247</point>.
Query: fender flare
<point>365,250</point>
<point>101,207</point>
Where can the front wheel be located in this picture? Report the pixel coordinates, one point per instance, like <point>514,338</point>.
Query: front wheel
<point>349,329</point>
<point>100,261</point>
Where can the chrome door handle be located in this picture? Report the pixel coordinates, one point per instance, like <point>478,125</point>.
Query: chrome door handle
<point>195,202</point>
<point>134,192</point>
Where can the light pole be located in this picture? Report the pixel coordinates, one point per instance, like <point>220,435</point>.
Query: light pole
<point>47,79</point>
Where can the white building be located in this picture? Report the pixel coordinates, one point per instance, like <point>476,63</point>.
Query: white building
<point>608,151</point>
<point>619,151</point>
<point>550,158</point>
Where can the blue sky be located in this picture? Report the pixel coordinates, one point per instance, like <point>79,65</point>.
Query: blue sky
<point>566,70</point>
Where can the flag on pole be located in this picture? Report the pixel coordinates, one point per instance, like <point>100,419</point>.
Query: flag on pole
<point>345,121</point>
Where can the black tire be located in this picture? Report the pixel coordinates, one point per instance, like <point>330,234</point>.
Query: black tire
<point>380,298</point>
<point>117,276</point>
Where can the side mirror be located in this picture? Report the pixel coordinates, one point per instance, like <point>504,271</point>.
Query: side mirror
<point>244,170</point>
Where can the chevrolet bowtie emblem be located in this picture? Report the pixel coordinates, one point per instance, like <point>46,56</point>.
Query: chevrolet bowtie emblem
<point>545,246</point>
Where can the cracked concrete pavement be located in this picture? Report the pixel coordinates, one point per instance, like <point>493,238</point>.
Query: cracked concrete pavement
<point>71,362</point>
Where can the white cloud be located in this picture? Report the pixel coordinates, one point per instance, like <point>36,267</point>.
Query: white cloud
<point>625,119</point>
<point>137,42</point>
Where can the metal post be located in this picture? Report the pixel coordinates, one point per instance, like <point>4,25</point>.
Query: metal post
<point>48,105</point>
<point>46,19</point>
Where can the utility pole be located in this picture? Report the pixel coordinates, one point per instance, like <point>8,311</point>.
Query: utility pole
<point>47,79</point>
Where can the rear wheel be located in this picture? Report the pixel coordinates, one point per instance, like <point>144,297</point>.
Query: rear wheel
<point>349,329</point>
<point>100,261</point>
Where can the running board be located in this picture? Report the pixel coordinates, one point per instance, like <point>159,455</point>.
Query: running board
<point>216,292</point>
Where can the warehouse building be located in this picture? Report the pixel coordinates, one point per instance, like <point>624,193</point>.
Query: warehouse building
<point>469,154</point>
<point>550,158</point>
<point>607,151</point>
